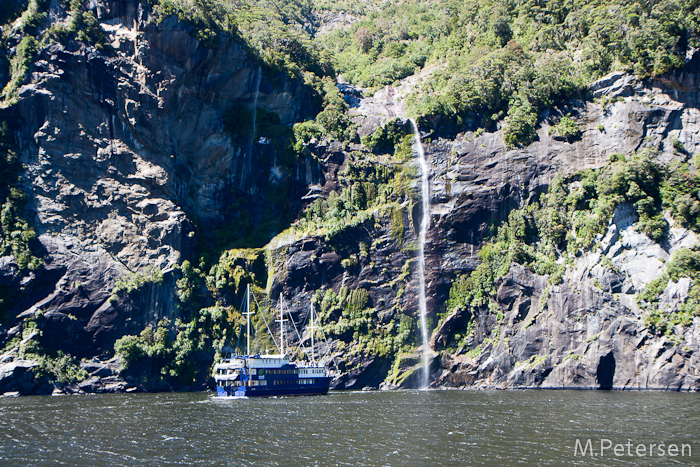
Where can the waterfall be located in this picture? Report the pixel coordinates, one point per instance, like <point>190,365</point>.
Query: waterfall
<point>255,117</point>
<point>424,225</point>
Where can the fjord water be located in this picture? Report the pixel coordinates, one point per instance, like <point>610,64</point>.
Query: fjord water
<point>424,225</point>
<point>401,428</point>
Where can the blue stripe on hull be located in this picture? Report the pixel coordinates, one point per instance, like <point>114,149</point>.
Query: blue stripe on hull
<point>320,388</point>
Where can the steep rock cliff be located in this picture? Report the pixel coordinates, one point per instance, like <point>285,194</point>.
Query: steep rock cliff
<point>128,158</point>
<point>130,168</point>
<point>587,332</point>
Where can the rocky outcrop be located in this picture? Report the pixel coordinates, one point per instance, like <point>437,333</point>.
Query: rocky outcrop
<point>580,338</point>
<point>18,377</point>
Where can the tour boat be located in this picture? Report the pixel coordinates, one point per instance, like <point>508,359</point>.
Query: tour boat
<point>270,374</point>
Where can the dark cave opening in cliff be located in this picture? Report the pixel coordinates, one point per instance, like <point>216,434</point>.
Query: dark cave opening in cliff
<point>606,371</point>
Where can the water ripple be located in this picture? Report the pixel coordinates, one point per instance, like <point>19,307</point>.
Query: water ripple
<point>405,428</point>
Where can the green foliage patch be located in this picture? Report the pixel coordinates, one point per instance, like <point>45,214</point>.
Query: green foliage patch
<point>16,235</point>
<point>346,316</point>
<point>168,351</point>
<point>492,59</point>
<point>371,189</point>
<point>19,66</point>
<point>684,263</point>
<point>132,282</point>
<point>274,30</point>
<point>567,128</point>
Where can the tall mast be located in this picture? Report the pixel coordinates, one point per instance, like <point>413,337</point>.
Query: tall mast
<point>313,359</point>
<point>247,313</point>
<point>247,328</point>
<point>281,321</point>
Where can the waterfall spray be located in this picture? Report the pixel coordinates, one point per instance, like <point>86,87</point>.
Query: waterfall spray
<point>424,225</point>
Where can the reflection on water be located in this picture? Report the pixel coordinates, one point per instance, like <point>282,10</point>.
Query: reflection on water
<point>403,428</point>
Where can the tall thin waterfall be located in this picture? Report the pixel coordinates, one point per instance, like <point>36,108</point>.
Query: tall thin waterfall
<point>255,112</point>
<point>424,225</point>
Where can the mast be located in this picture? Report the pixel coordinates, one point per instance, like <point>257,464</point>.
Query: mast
<point>313,359</point>
<point>281,321</point>
<point>247,313</point>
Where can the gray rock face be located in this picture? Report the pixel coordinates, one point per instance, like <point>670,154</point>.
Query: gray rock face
<point>18,377</point>
<point>577,338</point>
<point>573,335</point>
<point>577,335</point>
<point>123,149</point>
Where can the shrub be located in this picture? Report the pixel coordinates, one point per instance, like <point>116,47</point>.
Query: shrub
<point>186,286</point>
<point>678,147</point>
<point>363,37</point>
<point>132,282</point>
<point>305,131</point>
<point>386,139</point>
<point>520,124</point>
<point>63,368</point>
<point>568,129</point>
<point>19,65</point>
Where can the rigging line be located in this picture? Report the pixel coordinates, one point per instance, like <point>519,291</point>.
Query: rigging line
<point>268,327</point>
<point>328,348</point>
<point>291,318</point>
<point>303,323</point>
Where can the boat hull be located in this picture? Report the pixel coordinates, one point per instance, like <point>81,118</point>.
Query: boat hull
<point>319,388</point>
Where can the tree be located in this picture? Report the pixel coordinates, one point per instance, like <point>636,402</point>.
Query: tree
<point>520,123</point>
<point>364,39</point>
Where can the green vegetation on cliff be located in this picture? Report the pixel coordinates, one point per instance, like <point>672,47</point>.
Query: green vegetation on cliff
<point>16,234</point>
<point>685,263</point>
<point>498,59</point>
<point>572,218</point>
<point>276,31</point>
<point>176,351</point>
<point>168,351</point>
<point>54,366</point>
<point>347,317</point>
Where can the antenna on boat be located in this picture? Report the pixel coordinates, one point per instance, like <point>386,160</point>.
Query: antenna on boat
<point>248,313</point>
<point>281,321</point>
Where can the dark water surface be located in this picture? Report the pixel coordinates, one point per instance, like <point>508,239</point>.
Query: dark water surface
<point>404,428</point>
